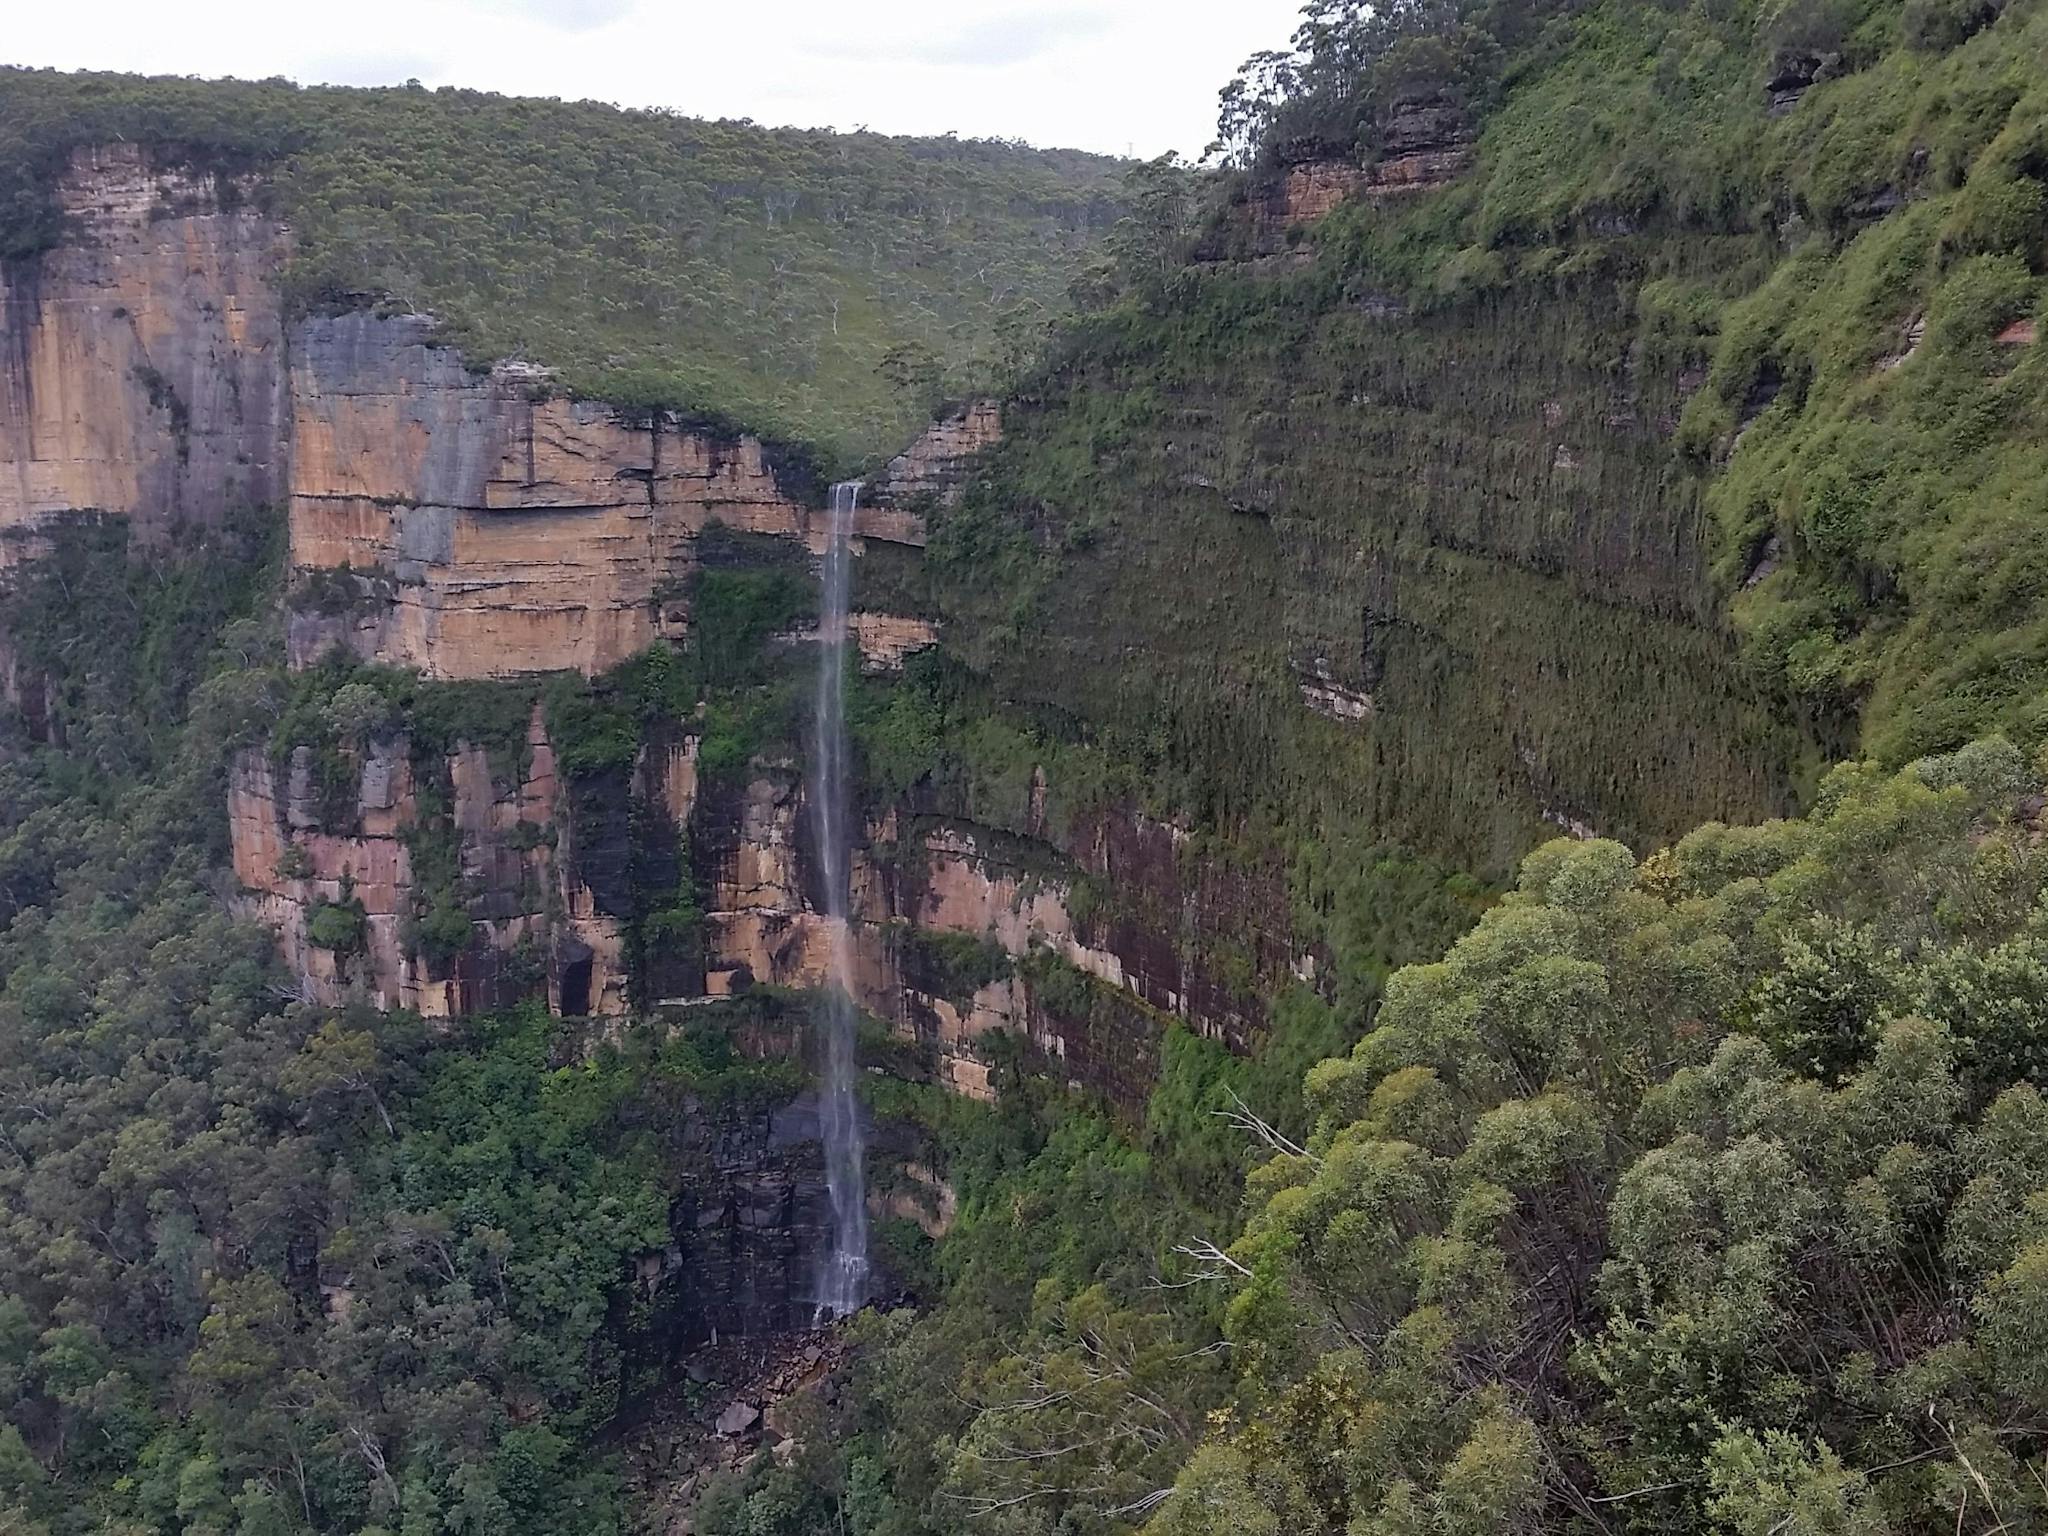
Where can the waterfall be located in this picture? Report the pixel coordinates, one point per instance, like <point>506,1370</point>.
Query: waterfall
<point>842,1281</point>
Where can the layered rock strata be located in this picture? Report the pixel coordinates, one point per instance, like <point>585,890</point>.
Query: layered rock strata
<point>479,524</point>
<point>544,879</point>
<point>468,524</point>
<point>487,528</point>
<point>1149,958</point>
<point>935,468</point>
<point>1424,143</point>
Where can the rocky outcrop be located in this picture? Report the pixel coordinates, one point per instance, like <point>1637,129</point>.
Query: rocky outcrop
<point>1115,933</point>
<point>1268,217</point>
<point>933,470</point>
<point>887,640</point>
<point>511,862</point>
<point>1307,194</point>
<point>1323,693</point>
<point>917,1194</point>
<point>142,363</point>
<point>289,868</point>
<point>545,874</point>
<point>1119,971</point>
<point>1425,143</point>
<point>494,529</point>
<point>759,924</point>
<point>1114,902</point>
<point>1794,73</point>
<point>884,640</point>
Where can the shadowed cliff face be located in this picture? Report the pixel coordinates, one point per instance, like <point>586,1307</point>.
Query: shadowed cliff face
<point>142,365</point>
<point>1154,951</point>
<point>745,1249</point>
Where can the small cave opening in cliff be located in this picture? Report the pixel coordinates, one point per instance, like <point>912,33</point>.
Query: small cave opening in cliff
<point>576,989</point>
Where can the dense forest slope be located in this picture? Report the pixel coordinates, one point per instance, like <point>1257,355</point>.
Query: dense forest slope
<point>754,275</point>
<point>1597,414</point>
<point>1618,419</point>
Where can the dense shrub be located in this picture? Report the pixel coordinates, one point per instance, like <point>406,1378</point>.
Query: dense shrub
<point>339,926</point>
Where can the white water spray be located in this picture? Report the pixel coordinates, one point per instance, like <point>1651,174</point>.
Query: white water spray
<point>843,1279</point>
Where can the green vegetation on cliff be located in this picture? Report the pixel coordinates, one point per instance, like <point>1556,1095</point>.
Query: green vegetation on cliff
<point>1684,440</point>
<point>812,286</point>
<point>267,1267</point>
<point>1682,1195</point>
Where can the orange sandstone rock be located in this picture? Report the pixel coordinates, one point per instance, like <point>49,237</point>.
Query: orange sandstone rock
<point>142,362</point>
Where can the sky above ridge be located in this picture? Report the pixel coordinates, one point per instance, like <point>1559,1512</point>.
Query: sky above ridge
<point>1118,76</point>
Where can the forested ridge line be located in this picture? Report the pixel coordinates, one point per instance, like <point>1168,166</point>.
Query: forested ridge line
<point>820,287</point>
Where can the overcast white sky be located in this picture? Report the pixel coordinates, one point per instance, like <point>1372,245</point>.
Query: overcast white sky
<point>1120,76</point>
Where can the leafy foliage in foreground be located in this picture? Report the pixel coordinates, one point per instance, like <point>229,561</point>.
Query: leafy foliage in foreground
<point>1701,1192</point>
<point>760,275</point>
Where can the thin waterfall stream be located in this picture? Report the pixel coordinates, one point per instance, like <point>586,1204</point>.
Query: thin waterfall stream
<point>843,1278</point>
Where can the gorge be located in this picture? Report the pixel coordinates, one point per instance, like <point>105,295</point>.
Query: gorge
<point>740,832</point>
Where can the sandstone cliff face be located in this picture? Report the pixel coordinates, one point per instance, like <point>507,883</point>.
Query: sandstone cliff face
<point>1268,218</point>
<point>1153,954</point>
<point>476,524</point>
<point>536,923</point>
<point>1153,951</point>
<point>887,640</point>
<point>934,468</point>
<point>546,876</point>
<point>142,364</point>
<point>496,533</point>
<point>760,925</point>
<point>1425,143</point>
<point>1304,195</point>
<point>466,524</point>
<point>288,867</point>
